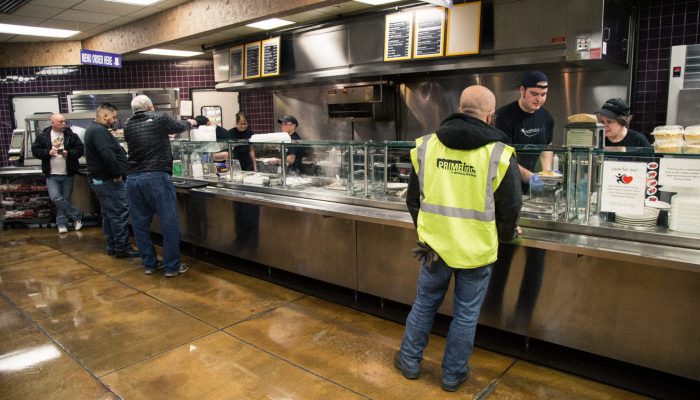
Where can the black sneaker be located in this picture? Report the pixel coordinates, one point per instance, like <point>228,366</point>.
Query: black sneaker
<point>181,270</point>
<point>130,253</point>
<point>407,373</point>
<point>153,269</point>
<point>110,252</point>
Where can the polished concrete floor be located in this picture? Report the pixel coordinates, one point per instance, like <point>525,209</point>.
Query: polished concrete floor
<point>78,324</point>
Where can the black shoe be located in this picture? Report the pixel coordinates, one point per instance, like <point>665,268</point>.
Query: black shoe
<point>181,270</point>
<point>453,386</point>
<point>408,374</point>
<point>153,270</point>
<point>110,252</point>
<point>131,253</point>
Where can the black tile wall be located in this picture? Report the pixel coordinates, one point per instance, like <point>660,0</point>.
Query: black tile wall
<point>257,105</point>
<point>182,74</point>
<point>662,24</point>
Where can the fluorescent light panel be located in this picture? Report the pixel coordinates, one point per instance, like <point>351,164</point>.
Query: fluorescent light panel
<point>137,2</point>
<point>376,2</point>
<point>271,23</point>
<point>36,31</point>
<point>173,53</point>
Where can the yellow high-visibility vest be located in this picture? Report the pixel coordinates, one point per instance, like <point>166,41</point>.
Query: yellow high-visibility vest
<point>457,216</point>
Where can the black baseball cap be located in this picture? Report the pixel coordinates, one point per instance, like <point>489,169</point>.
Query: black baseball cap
<point>201,120</point>
<point>613,108</point>
<point>288,118</point>
<point>532,78</point>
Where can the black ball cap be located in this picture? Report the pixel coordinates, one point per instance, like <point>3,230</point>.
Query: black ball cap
<point>613,108</point>
<point>533,78</point>
<point>201,120</point>
<point>288,118</point>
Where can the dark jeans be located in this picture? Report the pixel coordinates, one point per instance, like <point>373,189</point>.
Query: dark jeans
<point>60,189</point>
<point>153,193</point>
<point>114,206</point>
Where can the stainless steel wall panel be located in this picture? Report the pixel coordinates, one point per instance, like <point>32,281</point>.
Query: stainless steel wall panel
<point>522,24</point>
<point>320,49</point>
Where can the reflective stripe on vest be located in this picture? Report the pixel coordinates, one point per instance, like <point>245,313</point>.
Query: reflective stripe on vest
<point>489,213</point>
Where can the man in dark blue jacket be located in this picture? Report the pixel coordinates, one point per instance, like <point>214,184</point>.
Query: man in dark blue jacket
<point>59,150</point>
<point>150,185</point>
<point>106,165</point>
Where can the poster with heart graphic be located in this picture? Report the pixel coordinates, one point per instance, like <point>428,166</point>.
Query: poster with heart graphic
<point>624,186</point>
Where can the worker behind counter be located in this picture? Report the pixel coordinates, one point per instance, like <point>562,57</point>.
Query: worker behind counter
<point>289,125</point>
<point>245,154</point>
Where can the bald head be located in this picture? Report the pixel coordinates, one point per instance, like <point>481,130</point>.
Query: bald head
<point>479,102</point>
<point>58,122</point>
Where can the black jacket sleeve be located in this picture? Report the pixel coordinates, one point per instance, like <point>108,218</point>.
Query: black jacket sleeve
<point>413,196</point>
<point>508,199</point>
<point>40,147</point>
<point>77,148</point>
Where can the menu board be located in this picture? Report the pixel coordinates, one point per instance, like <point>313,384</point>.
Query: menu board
<point>252,60</point>
<point>463,29</point>
<point>397,36</point>
<point>271,57</point>
<point>429,32</point>
<point>236,63</point>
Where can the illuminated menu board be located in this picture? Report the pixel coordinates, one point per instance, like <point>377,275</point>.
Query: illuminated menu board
<point>252,60</point>
<point>236,63</point>
<point>463,29</point>
<point>397,36</point>
<point>429,32</point>
<point>271,57</point>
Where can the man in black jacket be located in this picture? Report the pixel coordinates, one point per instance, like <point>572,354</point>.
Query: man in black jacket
<point>150,185</point>
<point>106,165</point>
<point>59,150</point>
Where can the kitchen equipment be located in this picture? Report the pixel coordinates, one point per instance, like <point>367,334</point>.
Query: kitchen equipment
<point>584,134</point>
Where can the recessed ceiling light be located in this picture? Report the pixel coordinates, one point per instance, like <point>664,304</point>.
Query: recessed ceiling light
<point>271,23</point>
<point>36,31</point>
<point>137,2</point>
<point>376,2</point>
<point>174,53</point>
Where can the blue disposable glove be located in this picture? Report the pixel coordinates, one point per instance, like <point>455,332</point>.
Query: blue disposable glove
<point>536,183</point>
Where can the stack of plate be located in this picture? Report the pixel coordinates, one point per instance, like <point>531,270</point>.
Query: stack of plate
<point>647,219</point>
<point>685,213</point>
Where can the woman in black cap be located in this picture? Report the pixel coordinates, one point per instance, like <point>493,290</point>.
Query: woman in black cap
<point>615,115</point>
<point>245,154</point>
<point>289,124</point>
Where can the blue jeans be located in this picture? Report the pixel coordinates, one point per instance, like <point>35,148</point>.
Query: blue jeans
<point>153,193</point>
<point>114,206</point>
<point>469,292</point>
<point>60,189</point>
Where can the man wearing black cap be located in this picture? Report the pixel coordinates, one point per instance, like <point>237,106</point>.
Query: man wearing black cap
<point>221,133</point>
<point>615,115</point>
<point>289,124</point>
<point>526,122</point>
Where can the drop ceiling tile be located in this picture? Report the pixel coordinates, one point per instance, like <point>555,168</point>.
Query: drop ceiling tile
<point>76,26</point>
<point>17,20</point>
<point>107,7</point>
<point>164,5</point>
<point>4,37</point>
<point>38,11</point>
<point>85,16</point>
<point>56,3</point>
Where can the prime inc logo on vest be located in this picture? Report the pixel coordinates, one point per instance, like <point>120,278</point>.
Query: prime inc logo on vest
<point>456,167</point>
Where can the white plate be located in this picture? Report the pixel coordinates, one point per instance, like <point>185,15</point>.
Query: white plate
<point>396,185</point>
<point>648,213</point>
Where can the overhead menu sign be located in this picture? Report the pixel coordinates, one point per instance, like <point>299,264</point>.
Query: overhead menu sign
<point>271,57</point>
<point>252,60</point>
<point>464,29</point>
<point>100,58</point>
<point>429,32</point>
<point>397,36</point>
<point>236,63</point>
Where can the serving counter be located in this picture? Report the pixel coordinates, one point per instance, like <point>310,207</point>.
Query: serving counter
<point>573,278</point>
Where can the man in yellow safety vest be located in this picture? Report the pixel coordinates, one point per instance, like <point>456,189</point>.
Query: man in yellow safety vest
<point>464,195</point>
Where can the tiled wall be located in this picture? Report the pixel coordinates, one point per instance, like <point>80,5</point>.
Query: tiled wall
<point>257,105</point>
<point>183,74</point>
<point>662,24</point>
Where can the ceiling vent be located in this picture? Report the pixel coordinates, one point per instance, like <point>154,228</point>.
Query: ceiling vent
<point>10,6</point>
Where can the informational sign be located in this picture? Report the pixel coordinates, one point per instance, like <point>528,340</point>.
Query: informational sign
<point>271,57</point>
<point>397,36</point>
<point>429,32</point>
<point>464,29</point>
<point>100,58</point>
<point>252,60</point>
<point>624,186</point>
<point>679,172</point>
<point>236,63</point>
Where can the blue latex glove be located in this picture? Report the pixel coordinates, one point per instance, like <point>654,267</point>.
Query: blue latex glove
<point>536,183</point>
